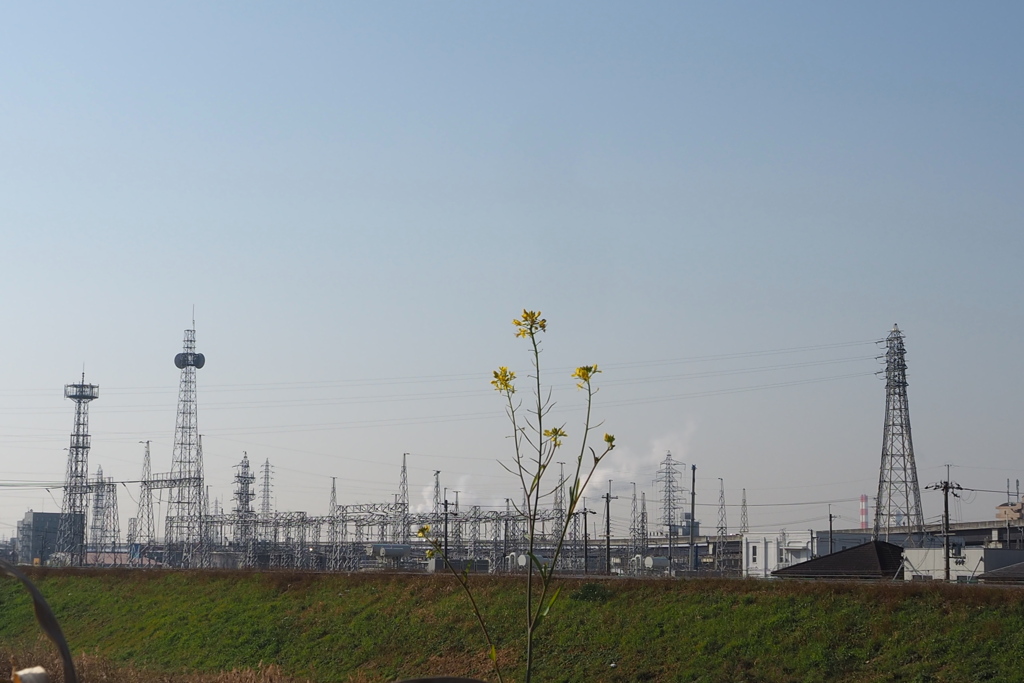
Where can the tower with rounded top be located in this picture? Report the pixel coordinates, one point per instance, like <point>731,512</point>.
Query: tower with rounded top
<point>184,534</point>
<point>71,530</point>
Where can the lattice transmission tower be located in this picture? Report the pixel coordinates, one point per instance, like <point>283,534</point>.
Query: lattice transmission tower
<point>71,529</point>
<point>266,487</point>
<point>898,506</point>
<point>105,532</point>
<point>145,525</point>
<point>645,540</point>
<point>744,520</point>
<point>560,504</point>
<point>634,525</point>
<point>244,514</point>
<point>723,529</point>
<point>671,493</point>
<point>403,504</point>
<point>638,526</point>
<point>184,526</point>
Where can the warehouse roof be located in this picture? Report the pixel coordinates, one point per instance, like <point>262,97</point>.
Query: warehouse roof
<point>874,560</point>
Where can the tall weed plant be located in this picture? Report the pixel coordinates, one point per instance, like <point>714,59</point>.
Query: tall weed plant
<point>535,441</point>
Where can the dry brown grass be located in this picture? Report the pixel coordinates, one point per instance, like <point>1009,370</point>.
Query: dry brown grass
<point>92,669</point>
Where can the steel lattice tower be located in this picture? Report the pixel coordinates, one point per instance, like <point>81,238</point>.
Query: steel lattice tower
<point>559,506</point>
<point>642,532</point>
<point>184,534</point>
<point>333,537</point>
<point>634,526</point>
<point>723,529</point>
<point>244,493</point>
<point>744,521</point>
<point>898,506</point>
<point>105,533</point>
<point>265,489</point>
<point>145,527</point>
<point>403,504</point>
<point>436,523</point>
<point>71,531</point>
<point>668,477</point>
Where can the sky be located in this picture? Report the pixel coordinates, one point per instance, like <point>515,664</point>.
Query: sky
<point>722,205</point>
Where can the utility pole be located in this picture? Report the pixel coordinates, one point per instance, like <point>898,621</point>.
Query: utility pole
<point>608,498</point>
<point>1008,510</point>
<point>586,547</point>
<point>693,520</point>
<point>458,527</point>
<point>445,504</point>
<point>946,487</point>
<point>437,497</point>
<point>504,555</point>
<point>830,518</point>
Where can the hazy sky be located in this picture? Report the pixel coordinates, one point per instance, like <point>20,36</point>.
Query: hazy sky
<point>358,199</point>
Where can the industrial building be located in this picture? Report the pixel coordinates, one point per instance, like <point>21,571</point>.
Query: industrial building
<point>766,553</point>
<point>37,537</point>
<point>965,565</point>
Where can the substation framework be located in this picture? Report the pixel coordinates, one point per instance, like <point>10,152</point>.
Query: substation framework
<point>353,537</point>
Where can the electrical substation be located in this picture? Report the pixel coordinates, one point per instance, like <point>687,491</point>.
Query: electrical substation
<point>383,536</point>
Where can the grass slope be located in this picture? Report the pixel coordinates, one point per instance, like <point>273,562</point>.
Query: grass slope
<point>379,627</point>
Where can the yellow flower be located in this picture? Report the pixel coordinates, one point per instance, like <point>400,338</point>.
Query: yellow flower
<point>430,553</point>
<point>584,373</point>
<point>530,324</point>
<point>556,434</point>
<point>424,530</point>
<point>610,440</point>
<point>503,380</point>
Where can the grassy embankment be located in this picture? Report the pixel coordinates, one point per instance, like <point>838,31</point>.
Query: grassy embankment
<point>385,627</point>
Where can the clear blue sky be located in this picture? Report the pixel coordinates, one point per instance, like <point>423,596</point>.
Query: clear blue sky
<point>363,196</point>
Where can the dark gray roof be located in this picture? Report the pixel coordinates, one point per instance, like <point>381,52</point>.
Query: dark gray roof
<point>1011,573</point>
<point>874,560</point>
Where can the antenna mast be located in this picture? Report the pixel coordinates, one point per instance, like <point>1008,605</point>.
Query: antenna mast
<point>184,536</point>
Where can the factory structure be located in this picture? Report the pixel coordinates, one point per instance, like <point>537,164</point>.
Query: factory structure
<point>379,536</point>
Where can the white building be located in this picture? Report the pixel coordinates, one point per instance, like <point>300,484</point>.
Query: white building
<point>965,563</point>
<point>764,553</point>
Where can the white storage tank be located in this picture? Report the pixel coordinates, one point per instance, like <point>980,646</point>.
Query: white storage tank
<point>524,560</point>
<point>656,562</point>
<point>390,551</point>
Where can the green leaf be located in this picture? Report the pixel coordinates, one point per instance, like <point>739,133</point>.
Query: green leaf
<point>493,654</point>
<point>551,602</point>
